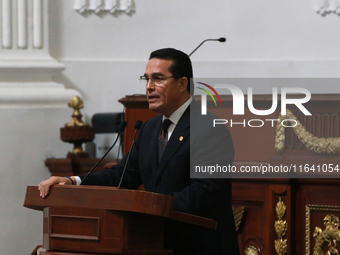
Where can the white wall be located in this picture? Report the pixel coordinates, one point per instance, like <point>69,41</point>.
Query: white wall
<point>105,54</point>
<point>28,137</point>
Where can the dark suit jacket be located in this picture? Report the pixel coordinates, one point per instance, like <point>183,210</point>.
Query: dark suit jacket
<point>171,176</point>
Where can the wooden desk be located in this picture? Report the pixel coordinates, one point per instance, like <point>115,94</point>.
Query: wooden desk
<point>106,220</point>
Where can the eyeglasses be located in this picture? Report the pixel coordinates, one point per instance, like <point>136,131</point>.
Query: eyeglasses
<point>157,80</point>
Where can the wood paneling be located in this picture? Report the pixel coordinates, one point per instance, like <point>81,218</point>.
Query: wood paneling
<point>255,146</point>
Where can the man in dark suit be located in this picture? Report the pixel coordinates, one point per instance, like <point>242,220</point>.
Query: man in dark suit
<point>165,168</point>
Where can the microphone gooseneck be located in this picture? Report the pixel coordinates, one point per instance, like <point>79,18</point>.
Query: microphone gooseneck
<point>137,127</point>
<point>122,126</point>
<point>221,39</point>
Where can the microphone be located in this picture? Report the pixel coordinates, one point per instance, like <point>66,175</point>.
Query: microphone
<point>221,39</point>
<point>137,127</point>
<point>121,129</point>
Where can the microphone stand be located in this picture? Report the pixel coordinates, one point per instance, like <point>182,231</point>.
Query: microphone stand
<point>137,127</point>
<point>122,127</point>
<point>221,39</point>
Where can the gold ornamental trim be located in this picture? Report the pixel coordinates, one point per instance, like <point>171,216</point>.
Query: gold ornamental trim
<point>330,235</point>
<point>251,250</point>
<point>318,145</point>
<point>238,217</point>
<point>309,209</point>
<point>280,228</point>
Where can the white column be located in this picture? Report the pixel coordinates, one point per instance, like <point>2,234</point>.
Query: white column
<point>22,24</point>
<point>37,24</point>
<point>7,24</point>
<point>26,67</point>
<point>33,107</point>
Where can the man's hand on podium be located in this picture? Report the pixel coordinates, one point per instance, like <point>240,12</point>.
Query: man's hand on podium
<point>45,186</point>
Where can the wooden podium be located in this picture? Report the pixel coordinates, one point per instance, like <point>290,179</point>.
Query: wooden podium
<point>105,220</point>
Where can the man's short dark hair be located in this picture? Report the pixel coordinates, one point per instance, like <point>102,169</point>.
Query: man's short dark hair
<point>181,66</point>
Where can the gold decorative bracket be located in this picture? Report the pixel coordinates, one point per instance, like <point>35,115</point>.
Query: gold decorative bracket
<point>330,235</point>
<point>317,208</point>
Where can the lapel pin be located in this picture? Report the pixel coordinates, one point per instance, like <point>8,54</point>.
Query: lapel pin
<point>181,138</point>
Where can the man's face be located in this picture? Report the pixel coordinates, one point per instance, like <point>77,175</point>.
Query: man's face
<point>165,97</point>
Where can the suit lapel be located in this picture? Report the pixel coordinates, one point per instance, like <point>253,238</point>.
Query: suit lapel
<point>179,135</point>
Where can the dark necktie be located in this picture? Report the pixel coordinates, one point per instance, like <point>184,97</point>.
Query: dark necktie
<point>163,138</point>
